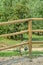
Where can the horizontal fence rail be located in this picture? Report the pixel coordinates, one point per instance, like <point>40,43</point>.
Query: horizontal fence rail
<point>29,31</point>
<point>18,33</point>
<point>23,43</point>
<point>20,20</point>
<point>12,34</point>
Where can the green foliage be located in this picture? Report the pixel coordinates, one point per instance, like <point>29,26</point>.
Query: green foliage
<point>10,12</point>
<point>19,9</point>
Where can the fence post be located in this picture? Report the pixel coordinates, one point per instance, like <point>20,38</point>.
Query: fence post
<point>30,38</point>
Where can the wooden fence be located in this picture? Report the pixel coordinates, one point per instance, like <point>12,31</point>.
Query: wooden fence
<point>29,42</point>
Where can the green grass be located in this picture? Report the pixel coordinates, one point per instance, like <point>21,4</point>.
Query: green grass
<point>7,54</point>
<point>9,41</point>
<point>37,38</point>
<point>34,37</point>
<point>13,42</point>
<point>15,53</point>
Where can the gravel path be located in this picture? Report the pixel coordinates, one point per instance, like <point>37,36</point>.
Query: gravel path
<point>20,61</point>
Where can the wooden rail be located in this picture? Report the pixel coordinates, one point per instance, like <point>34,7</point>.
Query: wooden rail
<point>21,32</point>
<point>29,31</point>
<point>12,34</point>
<point>22,43</point>
<point>20,20</point>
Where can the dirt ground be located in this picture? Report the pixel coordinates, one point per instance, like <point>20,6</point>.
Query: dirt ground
<point>20,61</point>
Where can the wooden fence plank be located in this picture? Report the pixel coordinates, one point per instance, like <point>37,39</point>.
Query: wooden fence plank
<point>9,47</point>
<point>20,20</point>
<point>12,34</point>
<point>30,38</point>
<point>17,33</point>
<point>37,30</point>
<point>37,42</point>
<point>22,43</point>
